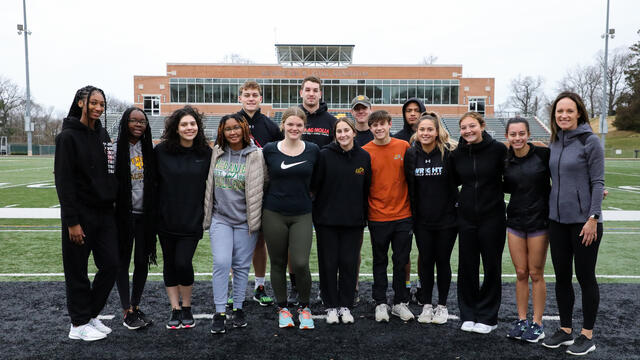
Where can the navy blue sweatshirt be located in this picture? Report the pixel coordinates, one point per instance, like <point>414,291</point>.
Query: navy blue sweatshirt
<point>84,169</point>
<point>181,179</point>
<point>431,190</point>
<point>319,129</point>
<point>478,168</point>
<point>263,129</point>
<point>341,184</point>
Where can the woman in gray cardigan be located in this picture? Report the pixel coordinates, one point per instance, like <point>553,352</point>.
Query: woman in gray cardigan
<point>233,210</point>
<point>575,214</point>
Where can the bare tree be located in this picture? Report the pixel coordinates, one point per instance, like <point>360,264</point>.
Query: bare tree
<point>116,105</point>
<point>527,96</point>
<point>11,99</point>
<point>429,60</point>
<point>234,58</point>
<point>617,63</point>
<point>586,81</point>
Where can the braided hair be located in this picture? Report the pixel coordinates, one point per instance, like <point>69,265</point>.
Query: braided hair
<point>85,94</point>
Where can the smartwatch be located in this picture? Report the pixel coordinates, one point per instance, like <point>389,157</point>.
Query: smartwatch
<point>595,216</point>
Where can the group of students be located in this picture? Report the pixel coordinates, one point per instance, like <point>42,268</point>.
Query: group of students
<point>261,185</point>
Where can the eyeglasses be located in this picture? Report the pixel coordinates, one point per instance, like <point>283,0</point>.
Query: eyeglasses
<point>138,122</point>
<point>233,128</point>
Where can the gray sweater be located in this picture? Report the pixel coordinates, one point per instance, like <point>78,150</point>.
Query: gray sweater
<point>577,175</point>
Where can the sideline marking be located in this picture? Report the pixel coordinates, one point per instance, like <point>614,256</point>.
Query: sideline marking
<point>12,205</point>
<point>617,173</point>
<point>25,184</point>
<point>27,169</point>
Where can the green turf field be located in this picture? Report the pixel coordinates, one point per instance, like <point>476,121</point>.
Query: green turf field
<point>34,244</point>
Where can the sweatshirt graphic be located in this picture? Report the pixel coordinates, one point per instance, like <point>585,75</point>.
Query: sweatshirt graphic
<point>319,126</point>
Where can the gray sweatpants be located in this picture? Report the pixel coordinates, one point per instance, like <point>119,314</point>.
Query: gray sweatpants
<point>232,248</point>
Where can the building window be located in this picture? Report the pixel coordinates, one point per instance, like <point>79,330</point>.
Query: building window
<point>151,104</point>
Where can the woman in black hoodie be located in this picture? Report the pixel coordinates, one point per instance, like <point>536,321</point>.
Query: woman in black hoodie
<point>135,170</point>
<point>86,184</point>
<point>477,164</point>
<point>183,159</point>
<point>433,205</point>
<point>341,183</point>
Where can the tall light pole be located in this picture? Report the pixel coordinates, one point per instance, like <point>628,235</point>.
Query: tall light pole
<point>603,114</point>
<point>27,113</point>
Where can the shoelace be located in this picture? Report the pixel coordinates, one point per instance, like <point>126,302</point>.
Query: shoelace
<point>285,313</point>
<point>306,314</point>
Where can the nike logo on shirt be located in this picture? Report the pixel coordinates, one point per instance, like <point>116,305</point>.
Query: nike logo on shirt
<point>284,166</point>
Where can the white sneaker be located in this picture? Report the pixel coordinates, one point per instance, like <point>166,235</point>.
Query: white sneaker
<point>481,328</point>
<point>98,325</point>
<point>467,326</point>
<point>332,316</point>
<point>441,315</point>
<point>346,316</point>
<point>85,332</point>
<point>402,311</point>
<point>426,316</point>
<point>382,313</point>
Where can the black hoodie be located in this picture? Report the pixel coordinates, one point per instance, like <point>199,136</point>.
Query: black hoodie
<point>431,191</point>
<point>84,169</point>
<point>479,167</point>
<point>263,130</point>
<point>407,131</point>
<point>319,129</point>
<point>341,181</point>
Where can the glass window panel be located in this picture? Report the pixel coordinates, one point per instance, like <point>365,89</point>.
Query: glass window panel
<point>454,95</point>
<point>267,94</point>
<point>369,91</point>
<point>335,95</point>
<point>403,94</point>
<point>208,93</point>
<point>233,93</point>
<point>293,95</point>
<point>217,93</point>
<point>437,94</point>
<point>420,92</point>
<point>191,93</point>
<point>224,93</point>
<point>446,98</point>
<point>428,94</point>
<point>386,94</point>
<point>411,91</point>
<point>344,95</point>
<point>199,93</point>
<point>395,95</point>
<point>174,92</point>
<point>276,94</point>
<point>377,95</point>
<point>352,92</point>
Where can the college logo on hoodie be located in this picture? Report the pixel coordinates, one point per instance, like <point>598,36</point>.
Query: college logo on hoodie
<point>360,171</point>
<point>111,157</point>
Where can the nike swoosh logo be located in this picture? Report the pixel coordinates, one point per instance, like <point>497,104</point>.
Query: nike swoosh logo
<point>284,166</point>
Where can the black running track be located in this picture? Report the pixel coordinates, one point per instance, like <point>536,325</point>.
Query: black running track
<point>34,324</point>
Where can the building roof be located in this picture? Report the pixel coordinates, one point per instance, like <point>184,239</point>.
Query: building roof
<point>314,55</point>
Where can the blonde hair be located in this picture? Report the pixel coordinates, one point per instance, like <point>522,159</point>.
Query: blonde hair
<point>443,140</point>
<point>293,111</point>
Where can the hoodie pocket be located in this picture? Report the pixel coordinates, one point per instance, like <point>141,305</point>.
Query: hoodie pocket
<point>583,205</point>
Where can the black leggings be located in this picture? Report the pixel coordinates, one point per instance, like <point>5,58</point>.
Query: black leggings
<point>567,248</point>
<point>435,247</point>
<point>177,255</point>
<point>338,250</point>
<point>140,264</point>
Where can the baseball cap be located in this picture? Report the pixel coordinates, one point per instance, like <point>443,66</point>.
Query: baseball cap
<point>360,99</point>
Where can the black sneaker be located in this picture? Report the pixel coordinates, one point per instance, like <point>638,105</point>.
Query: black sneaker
<point>239,319</point>
<point>519,327</point>
<point>218,323</point>
<point>293,297</point>
<point>187,318</point>
<point>261,297</point>
<point>533,333</point>
<point>142,316</point>
<point>582,346</point>
<point>175,322</point>
<point>558,338</point>
<point>132,321</point>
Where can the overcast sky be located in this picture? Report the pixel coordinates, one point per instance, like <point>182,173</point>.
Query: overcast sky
<point>106,43</point>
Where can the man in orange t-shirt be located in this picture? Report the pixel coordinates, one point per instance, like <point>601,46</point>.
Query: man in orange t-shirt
<point>390,220</point>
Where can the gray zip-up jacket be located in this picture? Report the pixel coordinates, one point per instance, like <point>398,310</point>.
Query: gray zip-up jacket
<point>577,176</point>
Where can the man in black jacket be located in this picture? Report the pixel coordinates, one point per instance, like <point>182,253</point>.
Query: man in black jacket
<point>411,111</point>
<point>360,110</point>
<point>319,121</point>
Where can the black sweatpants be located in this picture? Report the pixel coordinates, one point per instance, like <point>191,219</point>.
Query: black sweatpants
<point>140,264</point>
<point>398,233</point>
<point>85,300</point>
<point>338,250</point>
<point>482,239</point>
<point>177,255</point>
<point>567,249</point>
<point>435,247</point>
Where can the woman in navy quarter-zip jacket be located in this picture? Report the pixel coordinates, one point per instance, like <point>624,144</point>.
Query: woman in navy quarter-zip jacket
<point>477,164</point>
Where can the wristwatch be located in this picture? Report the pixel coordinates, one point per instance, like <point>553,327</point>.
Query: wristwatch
<point>595,216</point>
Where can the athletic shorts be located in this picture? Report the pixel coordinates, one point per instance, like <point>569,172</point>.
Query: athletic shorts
<point>526,235</point>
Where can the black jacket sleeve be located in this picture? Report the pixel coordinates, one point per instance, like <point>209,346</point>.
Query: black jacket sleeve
<point>365,188</point>
<point>65,174</point>
<point>409,175</point>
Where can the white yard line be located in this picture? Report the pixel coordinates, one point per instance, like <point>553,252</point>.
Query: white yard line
<point>28,169</point>
<point>617,173</point>
<point>25,184</point>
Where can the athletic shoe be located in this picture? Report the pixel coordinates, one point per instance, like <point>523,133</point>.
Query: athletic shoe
<point>441,315</point>
<point>306,321</point>
<point>481,328</point>
<point>187,318</point>
<point>285,319</point>
<point>293,296</point>
<point>175,322</point>
<point>402,311</point>
<point>382,313</point>
<point>558,338</point>
<point>468,326</point>
<point>345,315</point>
<point>533,333</point>
<point>426,317</point>
<point>218,323</point>
<point>86,332</point>
<point>261,297</point>
<point>519,327</point>
<point>239,319</point>
<point>98,325</point>
<point>581,346</point>
<point>132,321</point>
<point>142,316</point>
<point>332,316</point>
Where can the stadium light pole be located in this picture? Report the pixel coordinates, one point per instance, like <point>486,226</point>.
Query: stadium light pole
<point>27,112</point>
<point>603,113</point>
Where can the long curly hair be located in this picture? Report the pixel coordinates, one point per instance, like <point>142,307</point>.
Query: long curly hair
<point>170,135</point>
